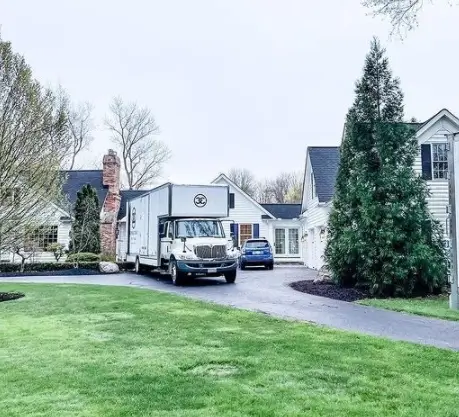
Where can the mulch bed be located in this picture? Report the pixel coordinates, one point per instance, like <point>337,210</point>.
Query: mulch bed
<point>7,296</point>
<point>330,291</point>
<point>63,272</point>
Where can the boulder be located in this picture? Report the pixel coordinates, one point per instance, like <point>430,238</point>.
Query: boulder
<point>323,276</point>
<point>108,267</point>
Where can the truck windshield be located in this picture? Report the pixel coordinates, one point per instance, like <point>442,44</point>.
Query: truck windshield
<point>199,228</point>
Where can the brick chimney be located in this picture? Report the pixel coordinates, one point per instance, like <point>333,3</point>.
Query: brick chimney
<point>109,215</point>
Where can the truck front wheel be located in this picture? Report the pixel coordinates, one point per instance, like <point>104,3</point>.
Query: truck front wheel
<point>230,277</point>
<point>178,278</point>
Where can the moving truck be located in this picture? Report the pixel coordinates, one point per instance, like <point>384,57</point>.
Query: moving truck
<point>177,229</point>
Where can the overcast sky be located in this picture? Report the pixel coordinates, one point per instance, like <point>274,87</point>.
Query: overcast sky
<point>242,83</point>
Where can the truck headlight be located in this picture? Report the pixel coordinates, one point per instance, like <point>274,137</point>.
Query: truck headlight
<point>188,256</point>
<point>233,255</point>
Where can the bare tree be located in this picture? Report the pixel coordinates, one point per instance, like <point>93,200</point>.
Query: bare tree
<point>25,248</point>
<point>33,127</point>
<point>133,130</point>
<point>264,193</point>
<point>81,125</point>
<point>295,191</point>
<point>244,179</point>
<point>281,186</point>
<point>403,14</point>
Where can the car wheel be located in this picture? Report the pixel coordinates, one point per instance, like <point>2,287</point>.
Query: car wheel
<point>230,277</point>
<point>242,265</point>
<point>271,266</point>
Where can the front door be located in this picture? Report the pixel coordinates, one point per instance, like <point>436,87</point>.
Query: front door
<point>287,242</point>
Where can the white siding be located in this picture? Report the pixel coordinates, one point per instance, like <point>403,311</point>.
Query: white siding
<point>315,218</point>
<point>244,212</point>
<point>62,237</point>
<point>439,194</point>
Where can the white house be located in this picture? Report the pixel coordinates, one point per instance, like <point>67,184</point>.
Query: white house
<point>279,223</point>
<point>320,170</point>
<point>322,166</point>
<point>58,220</point>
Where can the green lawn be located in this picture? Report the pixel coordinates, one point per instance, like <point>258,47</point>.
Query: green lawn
<point>107,351</point>
<point>430,307</point>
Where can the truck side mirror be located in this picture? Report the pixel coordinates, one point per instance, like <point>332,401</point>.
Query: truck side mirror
<point>183,239</point>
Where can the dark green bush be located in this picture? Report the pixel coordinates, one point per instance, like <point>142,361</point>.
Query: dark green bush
<point>46,266</point>
<point>83,257</point>
<point>107,258</point>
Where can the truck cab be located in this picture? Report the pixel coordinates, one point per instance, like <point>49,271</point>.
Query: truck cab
<point>191,247</point>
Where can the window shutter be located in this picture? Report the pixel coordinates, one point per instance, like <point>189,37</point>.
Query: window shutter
<point>234,231</point>
<point>231,200</point>
<point>256,230</point>
<point>426,159</point>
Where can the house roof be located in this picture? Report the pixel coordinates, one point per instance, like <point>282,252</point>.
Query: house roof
<point>128,195</point>
<point>79,178</point>
<point>284,211</point>
<point>325,164</point>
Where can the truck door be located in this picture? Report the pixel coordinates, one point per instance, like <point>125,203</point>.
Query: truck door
<point>167,237</point>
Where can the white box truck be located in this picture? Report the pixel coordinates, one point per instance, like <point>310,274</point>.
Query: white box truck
<point>177,230</point>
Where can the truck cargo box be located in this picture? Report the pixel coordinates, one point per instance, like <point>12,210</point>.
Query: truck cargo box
<point>171,201</point>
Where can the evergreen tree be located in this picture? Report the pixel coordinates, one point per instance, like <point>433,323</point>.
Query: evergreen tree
<point>85,235</point>
<point>381,234</point>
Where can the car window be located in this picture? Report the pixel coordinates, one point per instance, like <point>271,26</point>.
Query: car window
<point>257,244</point>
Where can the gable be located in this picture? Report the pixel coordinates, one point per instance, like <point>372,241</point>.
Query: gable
<point>444,122</point>
<point>239,193</point>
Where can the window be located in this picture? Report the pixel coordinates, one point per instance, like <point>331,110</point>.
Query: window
<point>199,228</point>
<point>287,241</point>
<point>245,232</point>
<point>293,241</point>
<point>257,244</point>
<point>231,200</point>
<point>42,238</point>
<point>280,241</point>
<point>313,186</point>
<point>439,161</point>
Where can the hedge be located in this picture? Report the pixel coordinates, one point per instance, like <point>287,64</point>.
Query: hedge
<point>57,266</point>
<point>47,266</point>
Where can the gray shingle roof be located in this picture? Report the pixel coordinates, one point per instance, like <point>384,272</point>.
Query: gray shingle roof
<point>127,195</point>
<point>283,211</point>
<point>325,164</point>
<point>77,179</point>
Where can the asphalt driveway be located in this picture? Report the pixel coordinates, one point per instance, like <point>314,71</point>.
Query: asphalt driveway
<point>268,292</point>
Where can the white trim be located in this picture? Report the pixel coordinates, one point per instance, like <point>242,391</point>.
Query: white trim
<point>258,205</point>
<point>426,127</point>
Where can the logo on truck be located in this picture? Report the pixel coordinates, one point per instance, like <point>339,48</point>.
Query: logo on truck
<point>133,218</point>
<point>200,200</point>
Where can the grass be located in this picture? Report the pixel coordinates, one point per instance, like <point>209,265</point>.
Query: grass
<point>431,306</point>
<point>70,350</point>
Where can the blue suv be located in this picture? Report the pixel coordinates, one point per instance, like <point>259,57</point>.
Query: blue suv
<point>256,252</point>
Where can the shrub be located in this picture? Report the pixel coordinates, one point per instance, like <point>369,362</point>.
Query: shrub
<point>83,257</point>
<point>107,258</point>
<point>57,249</point>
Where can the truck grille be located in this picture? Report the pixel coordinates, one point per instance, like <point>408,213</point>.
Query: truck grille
<point>210,252</point>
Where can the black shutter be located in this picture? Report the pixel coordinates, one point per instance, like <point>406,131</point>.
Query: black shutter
<point>426,159</point>
<point>231,200</point>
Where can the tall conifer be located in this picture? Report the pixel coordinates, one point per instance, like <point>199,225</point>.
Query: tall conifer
<point>381,233</point>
